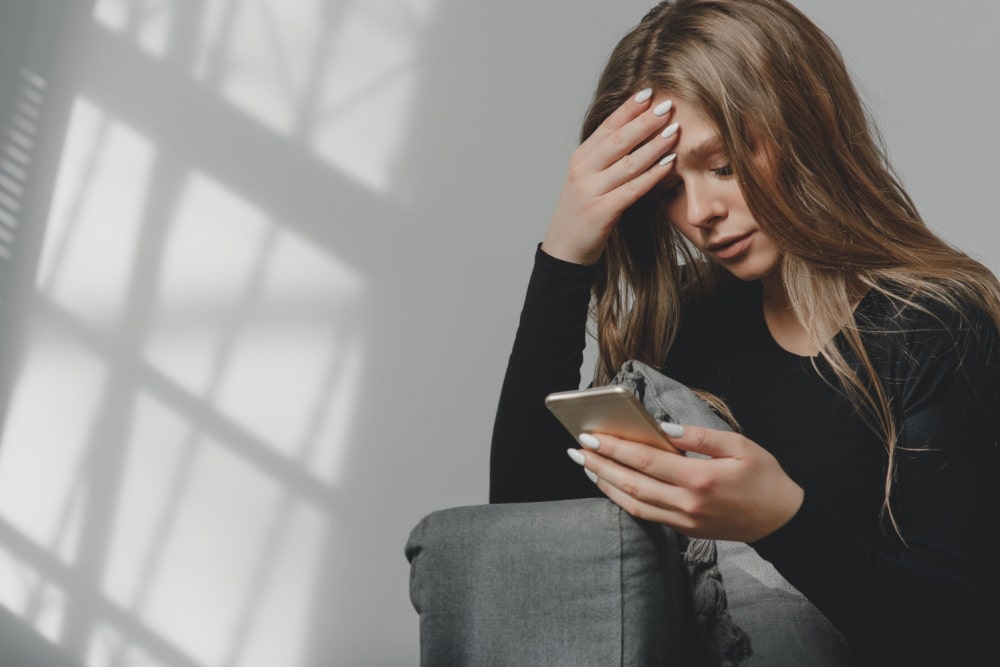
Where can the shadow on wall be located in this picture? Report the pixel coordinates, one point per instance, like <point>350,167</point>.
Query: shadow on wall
<point>186,340</point>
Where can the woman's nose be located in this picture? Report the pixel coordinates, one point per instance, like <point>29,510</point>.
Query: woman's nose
<point>703,205</point>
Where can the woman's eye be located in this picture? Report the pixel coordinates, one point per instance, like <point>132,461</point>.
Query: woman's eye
<point>726,170</point>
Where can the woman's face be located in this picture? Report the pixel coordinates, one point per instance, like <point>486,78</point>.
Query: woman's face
<point>704,202</point>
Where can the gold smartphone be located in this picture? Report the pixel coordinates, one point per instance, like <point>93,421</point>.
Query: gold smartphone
<point>613,410</point>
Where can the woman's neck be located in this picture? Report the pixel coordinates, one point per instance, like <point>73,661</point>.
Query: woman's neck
<point>785,328</point>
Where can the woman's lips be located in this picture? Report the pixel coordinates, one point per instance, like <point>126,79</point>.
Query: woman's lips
<point>730,249</point>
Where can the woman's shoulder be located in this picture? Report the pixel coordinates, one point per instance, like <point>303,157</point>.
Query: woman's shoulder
<point>928,314</point>
<point>923,341</point>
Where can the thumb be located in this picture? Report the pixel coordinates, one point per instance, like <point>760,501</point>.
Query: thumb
<point>707,441</point>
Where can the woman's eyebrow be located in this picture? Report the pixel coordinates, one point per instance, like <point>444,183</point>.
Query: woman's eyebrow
<point>707,147</point>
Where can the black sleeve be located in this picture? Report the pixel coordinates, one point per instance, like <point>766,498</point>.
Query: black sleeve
<point>932,601</point>
<point>528,459</point>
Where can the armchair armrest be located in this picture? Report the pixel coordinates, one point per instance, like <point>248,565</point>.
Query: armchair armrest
<point>576,582</point>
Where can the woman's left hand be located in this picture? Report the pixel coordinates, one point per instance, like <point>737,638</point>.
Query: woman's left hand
<point>741,493</point>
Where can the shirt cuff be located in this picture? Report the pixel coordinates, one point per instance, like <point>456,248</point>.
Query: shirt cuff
<point>552,265</point>
<point>789,538</point>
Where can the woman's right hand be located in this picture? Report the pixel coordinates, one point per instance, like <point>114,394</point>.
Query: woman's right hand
<point>619,163</point>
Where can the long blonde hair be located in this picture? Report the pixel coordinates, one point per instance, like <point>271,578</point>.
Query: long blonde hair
<point>813,172</point>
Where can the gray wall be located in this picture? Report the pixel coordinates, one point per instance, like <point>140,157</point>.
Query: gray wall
<point>261,267</point>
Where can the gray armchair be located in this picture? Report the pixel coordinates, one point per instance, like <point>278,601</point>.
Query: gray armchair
<point>580,582</point>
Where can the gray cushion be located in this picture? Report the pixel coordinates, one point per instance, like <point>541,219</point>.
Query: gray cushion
<point>784,627</point>
<point>571,583</point>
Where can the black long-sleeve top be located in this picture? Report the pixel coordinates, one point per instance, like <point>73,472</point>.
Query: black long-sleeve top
<point>930,601</point>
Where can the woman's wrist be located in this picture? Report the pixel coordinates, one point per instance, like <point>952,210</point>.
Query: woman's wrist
<point>567,254</point>
<point>561,266</point>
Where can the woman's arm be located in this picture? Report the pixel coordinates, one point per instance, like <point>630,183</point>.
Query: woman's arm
<point>611,170</point>
<point>527,460</point>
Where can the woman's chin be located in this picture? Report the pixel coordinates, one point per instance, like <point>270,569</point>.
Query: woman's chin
<point>749,271</point>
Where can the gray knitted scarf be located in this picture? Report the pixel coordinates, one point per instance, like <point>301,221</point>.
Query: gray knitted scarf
<point>668,400</point>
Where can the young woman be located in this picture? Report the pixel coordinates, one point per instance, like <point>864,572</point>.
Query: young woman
<point>730,217</point>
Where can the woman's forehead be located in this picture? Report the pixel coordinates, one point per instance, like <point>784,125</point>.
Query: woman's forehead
<point>699,137</point>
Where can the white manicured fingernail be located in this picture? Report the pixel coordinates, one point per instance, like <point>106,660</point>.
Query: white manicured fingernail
<point>592,476</point>
<point>577,457</point>
<point>667,159</point>
<point>663,107</point>
<point>644,95</point>
<point>589,441</point>
<point>670,131</point>
<point>672,430</point>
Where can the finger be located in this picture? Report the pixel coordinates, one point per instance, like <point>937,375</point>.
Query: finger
<point>635,484</point>
<point>653,159</point>
<point>619,118</point>
<point>649,460</point>
<point>632,190</point>
<point>710,442</point>
<point>643,128</point>
<point>646,511</point>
